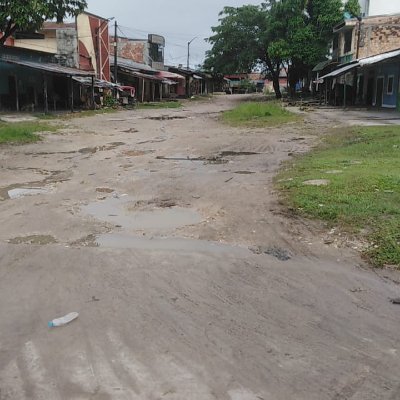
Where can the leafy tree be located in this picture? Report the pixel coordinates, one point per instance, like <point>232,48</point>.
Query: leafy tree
<point>353,8</point>
<point>29,15</point>
<point>300,33</point>
<point>239,43</point>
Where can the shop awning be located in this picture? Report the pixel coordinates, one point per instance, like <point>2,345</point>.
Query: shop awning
<point>340,71</point>
<point>49,67</point>
<point>379,58</point>
<point>170,75</point>
<point>99,83</point>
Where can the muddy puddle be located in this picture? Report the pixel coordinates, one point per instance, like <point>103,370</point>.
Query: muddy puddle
<point>166,117</point>
<point>122,212</point>
<point>40,240</point>
<point>122,241</point>
<point>136,153</point>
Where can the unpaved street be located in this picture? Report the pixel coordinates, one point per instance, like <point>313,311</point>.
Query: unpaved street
<point>163,230</point>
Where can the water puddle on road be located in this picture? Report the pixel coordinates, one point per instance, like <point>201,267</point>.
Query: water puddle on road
<point>118,211</point>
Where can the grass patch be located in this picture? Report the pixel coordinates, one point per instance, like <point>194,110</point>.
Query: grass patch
<point>23,132</point>
<point>362,199</point>
<point>163,104</point>
<point>259,114</point>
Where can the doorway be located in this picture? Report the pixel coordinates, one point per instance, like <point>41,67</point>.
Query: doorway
<point>379,92</point>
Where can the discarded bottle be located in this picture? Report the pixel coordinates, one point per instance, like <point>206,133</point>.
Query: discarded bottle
<point>66,319</point>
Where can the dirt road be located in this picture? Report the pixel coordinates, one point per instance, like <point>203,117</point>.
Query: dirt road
<point>163,230</point>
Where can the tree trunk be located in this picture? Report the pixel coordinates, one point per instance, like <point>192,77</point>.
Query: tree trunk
<point>277,88</point>
<point>275,77</point>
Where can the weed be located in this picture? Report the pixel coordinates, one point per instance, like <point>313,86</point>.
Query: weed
<point>23,132</point>
<point>363,196</point>
<point>259,114</point>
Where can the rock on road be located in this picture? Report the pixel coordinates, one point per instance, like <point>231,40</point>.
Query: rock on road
<point>163,230</point>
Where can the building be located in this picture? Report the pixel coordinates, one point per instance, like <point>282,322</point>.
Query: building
<point>57,67</point>
<point>379,7</point>
<point>360,39</point>
<point>149,52</point>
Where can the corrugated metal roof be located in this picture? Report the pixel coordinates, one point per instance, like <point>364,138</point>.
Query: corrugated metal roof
<point>99,83</point>
<point>126,63</point>
<point>141,75</point>
<point>378,58</point>
<point>341,71</point>
<point>170,75</point>
<point>48,67</point>
<point>321,66</point>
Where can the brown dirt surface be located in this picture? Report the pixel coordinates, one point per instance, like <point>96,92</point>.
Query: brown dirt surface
<point>191,280</point>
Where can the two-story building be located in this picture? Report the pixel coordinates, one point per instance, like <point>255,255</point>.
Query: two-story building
<point>53,68</point>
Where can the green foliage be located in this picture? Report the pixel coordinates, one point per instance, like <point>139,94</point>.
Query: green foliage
<point>236,44</point>
<point>300,32</point>
<point>258,114</point>
<point>353,8</point>
<point>29,15</point>
<point>363,197</point>
<point>22,132</point>
<point>297,33</point>
<point>110,101</point>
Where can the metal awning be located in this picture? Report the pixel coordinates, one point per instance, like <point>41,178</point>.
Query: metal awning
<point>319,67</point>
<point>99,83</point>
<point>49,67</point>
<point>170,75</point>
<point>340,71</point>
<point>379,58</point>
<point>197,77</point>
<point>138,74</point>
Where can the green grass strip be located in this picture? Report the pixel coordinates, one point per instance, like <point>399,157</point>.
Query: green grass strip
<point>22,132</point>
<point>259,114</point>
<point>363,194</point>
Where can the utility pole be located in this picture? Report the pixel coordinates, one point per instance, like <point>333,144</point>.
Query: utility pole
<point>188,53</point>
<point>116,55</point>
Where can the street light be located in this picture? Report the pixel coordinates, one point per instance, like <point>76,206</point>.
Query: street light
<point>188,54</point>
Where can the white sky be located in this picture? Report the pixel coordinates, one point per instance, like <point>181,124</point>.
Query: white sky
<point>177,20</point>
<point>378,7</point>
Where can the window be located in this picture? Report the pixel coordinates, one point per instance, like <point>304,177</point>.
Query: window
<point>156,52</point>
<point>390,85</point>
<point>348,39</point>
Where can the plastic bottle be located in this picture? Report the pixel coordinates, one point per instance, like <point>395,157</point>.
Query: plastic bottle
<point>66,319</point>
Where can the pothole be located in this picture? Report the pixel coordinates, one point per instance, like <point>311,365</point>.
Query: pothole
<point>86,241</point>
<point>166,117</point>
<point>23,192</point>
<point>123,212</point>
<point>136,153</point>
<point>274,251</point>
<point>33,239</point>
<point>244,172</point>
<point>104,190</point>
<point>229,153</point>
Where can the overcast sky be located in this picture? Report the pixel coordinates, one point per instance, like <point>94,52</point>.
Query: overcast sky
<point>177,20</point>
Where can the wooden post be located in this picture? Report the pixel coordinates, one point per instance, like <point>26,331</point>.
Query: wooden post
<point>92,94</point>
<point>153,90</point>
<point>161,90</point>
<point>71,85</point>
<point>16,92</point>
<point>344,92</point>
<point>143,90</point>
<point>45,94</point>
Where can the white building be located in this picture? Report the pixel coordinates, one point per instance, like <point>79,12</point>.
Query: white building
<point>379,7</point>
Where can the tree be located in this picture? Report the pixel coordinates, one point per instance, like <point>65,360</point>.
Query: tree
<point>353,8</point>
<point>300,33</point>
<point>29,15</point>
<point>239,44</point>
